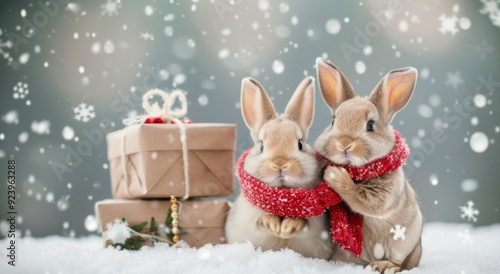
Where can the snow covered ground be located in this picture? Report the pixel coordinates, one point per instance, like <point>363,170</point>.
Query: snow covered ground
<point>448,248</point>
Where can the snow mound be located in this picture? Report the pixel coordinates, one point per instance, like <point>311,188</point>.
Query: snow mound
<point>447,248</point>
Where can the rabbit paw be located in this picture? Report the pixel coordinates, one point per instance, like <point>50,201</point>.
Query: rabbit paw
<point>337,178</point>
<point>291,227</point>
<point>385,267</point>
<point>270,224</point>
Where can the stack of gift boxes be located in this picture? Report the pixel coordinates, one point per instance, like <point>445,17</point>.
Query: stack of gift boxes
<point>147,165</point>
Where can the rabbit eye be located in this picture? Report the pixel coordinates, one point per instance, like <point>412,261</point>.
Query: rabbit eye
<point>300,145</point>
<point>333,121</point>
<point>369,125</point>
<point>261,146</point>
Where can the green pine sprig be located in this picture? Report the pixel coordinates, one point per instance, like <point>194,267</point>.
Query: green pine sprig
<point>135,242</point>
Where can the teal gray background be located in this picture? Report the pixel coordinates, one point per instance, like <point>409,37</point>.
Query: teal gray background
<point>213,45</point>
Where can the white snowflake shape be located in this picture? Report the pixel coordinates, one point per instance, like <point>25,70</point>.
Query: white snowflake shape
<point>147,36</point>
<point>4,47</point>
<point>466,237</point>
<point>469,212</point>
<point>398,231</point>
<point>20,90</point>
<point>483,49</point>
<point>111,7</point>
<point>117,232</point>
<point>495,19</point>
<point>491,7</point>
<point>84,112</point>
<point>448,24</point>
<point>454,79</point>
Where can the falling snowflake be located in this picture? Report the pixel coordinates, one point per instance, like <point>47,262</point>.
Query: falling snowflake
<point>20,90</point>
<point>491,7</point>
<point>111,7</point>
<point>117,232</point>
<point>84,112</point>
<point>469,212</point>
<point>466,237</point>
<point>398,231</point>
<point>448,24</point>
<point>147,36</point>
<point>42,127</point>
<point>4,46</point>
<point>454,79</point>
<point>483,49</point>
<point>11,117</point>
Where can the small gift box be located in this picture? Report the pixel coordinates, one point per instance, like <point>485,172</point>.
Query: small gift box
<point>199,222</point>
<point>152,160</point>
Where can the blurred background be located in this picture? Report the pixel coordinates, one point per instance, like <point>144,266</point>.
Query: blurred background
<point>70,68</point>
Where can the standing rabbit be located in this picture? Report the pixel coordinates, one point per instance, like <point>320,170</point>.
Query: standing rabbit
<point>280,158</point>
<point>361,141</point>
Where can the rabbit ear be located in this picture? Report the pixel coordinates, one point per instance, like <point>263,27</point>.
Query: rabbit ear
<point>334,86</point>
<point>256,107</point>
<point>394,91</point>
<point>301,106</point>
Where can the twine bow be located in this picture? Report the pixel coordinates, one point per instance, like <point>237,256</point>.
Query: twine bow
<point>168,114</point>
<point>166,111</point>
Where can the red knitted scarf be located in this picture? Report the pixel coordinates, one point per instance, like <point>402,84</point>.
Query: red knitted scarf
<point>346,225</point>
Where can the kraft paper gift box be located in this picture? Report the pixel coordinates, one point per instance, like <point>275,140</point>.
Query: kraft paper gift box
<point>154,160</point>
<point>202,221</point>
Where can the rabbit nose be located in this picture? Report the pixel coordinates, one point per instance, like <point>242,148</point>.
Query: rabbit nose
<point>280,163</point>
<point>348,147</point>
<point>345,144</point>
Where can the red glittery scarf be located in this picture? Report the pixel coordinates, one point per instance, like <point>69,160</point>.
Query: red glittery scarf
<point>346,225</point>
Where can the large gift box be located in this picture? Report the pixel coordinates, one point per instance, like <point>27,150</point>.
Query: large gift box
<point>146,160</point>
<point>201,222</point>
